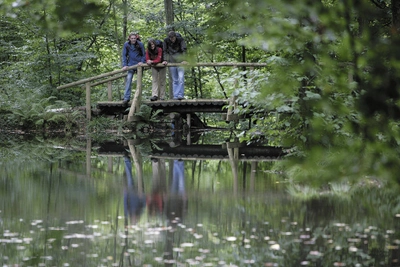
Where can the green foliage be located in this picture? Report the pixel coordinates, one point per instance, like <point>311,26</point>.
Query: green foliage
<point>101,124</point>
<point>329,91</point>
<point>330,82</point>
<point>61,16</point>
<point>45,115</point>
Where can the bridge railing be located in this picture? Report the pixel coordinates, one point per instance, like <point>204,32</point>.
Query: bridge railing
<point>136,102</point>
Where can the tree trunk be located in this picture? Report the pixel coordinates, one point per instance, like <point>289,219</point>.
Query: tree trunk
<point>125,19</point>
<point>169,21</point>
<point>169,14</point>
<point>396,16</point>
<point>116,31</point>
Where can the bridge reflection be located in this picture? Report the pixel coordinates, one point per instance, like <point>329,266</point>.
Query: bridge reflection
<point>224,151</point>
<point>234,152</point>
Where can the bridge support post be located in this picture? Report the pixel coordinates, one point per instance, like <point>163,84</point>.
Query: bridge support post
<point>135,107</point>
<point>233,153</point>
<point>109,87</point>
<point>88,157</point>
<point>253,175</point>
<point>137,159</point>
<point>230,115</point>
<point>189,125</point>
<point>88,104</point>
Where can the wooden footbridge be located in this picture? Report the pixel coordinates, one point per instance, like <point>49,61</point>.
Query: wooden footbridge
<point>186,107</point>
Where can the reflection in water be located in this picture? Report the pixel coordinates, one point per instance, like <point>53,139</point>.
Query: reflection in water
<point>56,215</point>
<point>173,200</point>
<point>176,208</point>
<point>155,200</point>
<point>178,179</point>
<point>134,200</point>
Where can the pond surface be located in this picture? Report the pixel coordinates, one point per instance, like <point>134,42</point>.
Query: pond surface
<point>118,203</point>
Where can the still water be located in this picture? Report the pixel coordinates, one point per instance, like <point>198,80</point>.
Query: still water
<point>130,203</point>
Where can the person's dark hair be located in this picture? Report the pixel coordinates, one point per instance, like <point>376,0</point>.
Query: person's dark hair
<point>171,34</point>
<point>152,52</point>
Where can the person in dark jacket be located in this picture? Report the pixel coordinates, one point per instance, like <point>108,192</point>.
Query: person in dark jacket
<point>134,200</point>
<point>132,54</point>
<point>174,51</point>
<point>154,56</point>
<point>176,207</point>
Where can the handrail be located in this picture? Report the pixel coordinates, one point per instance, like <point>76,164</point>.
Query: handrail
<point>108,80</point>
<point>228,64</point>
<point>95,77</point>
<point>205,64</point>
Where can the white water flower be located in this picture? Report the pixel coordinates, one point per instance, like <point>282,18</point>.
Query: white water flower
<point>231,238</point>
<point>275,247</point>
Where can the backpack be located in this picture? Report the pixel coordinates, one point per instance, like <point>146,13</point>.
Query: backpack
<point>138,37</point>
<point>160,44</point>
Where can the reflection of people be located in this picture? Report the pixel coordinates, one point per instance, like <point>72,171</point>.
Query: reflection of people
<point>176,203</point>
<point>155,201</point>
<point>153,57</point>
<point>175,48</point>
<point>132,54</point>
<point>176,207</point>
<point>178,178</point>
<point>176,125</point>
<point>134,202</point>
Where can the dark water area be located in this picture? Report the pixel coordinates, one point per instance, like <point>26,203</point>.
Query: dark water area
<point>132,202</point>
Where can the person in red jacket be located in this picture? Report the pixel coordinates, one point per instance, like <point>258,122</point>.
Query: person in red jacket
<point>154,55</point>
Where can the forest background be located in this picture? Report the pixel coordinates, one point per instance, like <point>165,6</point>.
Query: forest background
<point>330,92</point>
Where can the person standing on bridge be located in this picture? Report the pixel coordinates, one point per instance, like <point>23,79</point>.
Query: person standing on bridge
<point>174,50</point>
<point>154,55</point>
<point>132,54</point>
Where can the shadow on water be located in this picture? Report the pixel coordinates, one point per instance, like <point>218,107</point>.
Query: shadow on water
<point>164,202</point>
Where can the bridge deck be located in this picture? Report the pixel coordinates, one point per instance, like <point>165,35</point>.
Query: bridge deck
<point>168,106</point>
<point>197,152</point>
